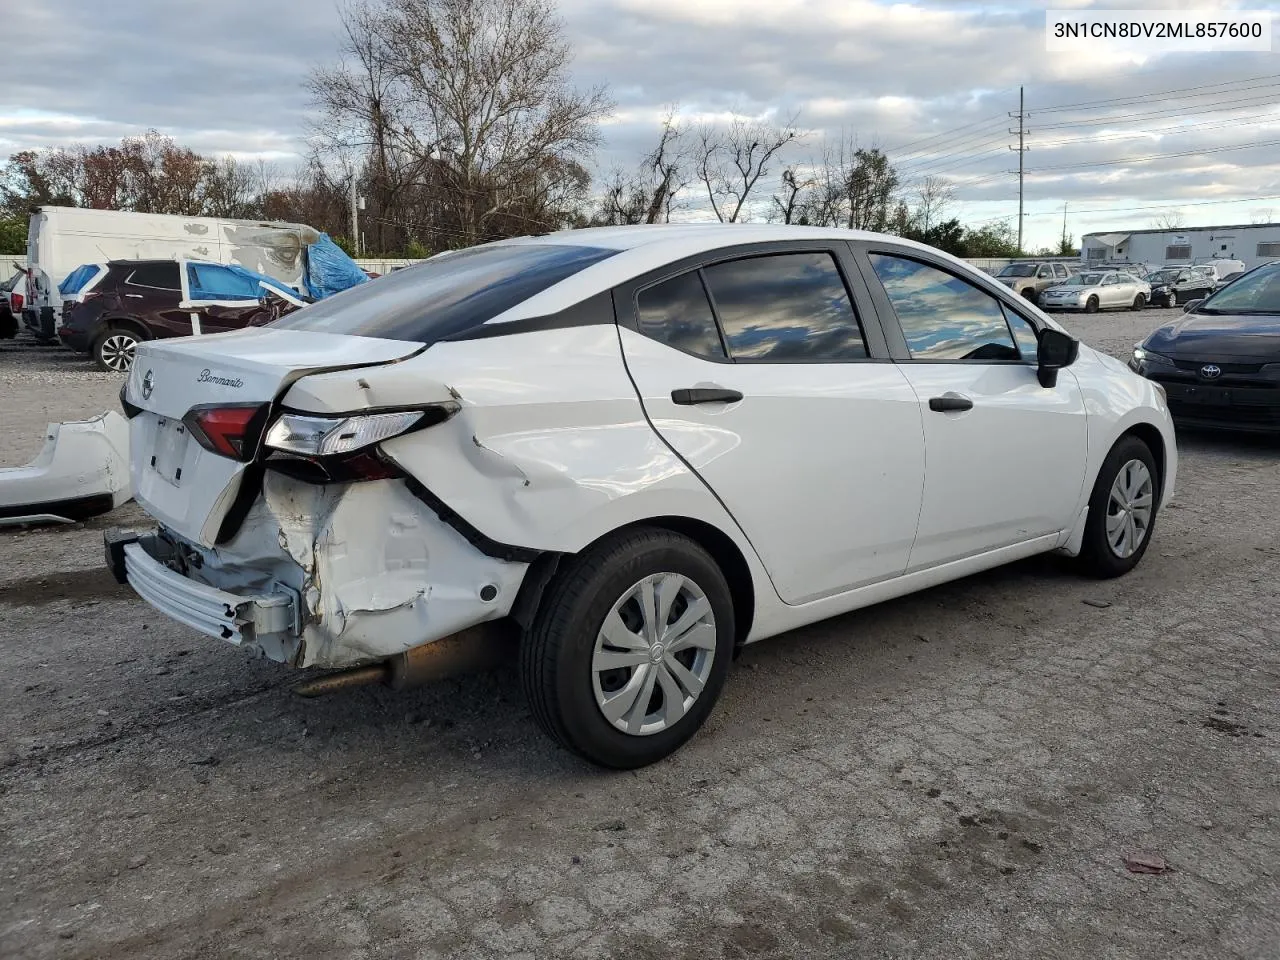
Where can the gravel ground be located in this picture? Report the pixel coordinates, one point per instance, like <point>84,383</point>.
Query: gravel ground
<point>960,773</point>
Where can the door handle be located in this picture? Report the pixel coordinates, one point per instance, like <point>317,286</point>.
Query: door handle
<point>691,395</point>
<point>950,402</point>
<point>136,296</point>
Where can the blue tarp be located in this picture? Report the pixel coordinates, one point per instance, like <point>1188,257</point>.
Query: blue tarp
<point>330,270</point>
<point>219,281</point>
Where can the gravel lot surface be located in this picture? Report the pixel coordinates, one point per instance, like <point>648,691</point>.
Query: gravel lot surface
<point>960,773</point>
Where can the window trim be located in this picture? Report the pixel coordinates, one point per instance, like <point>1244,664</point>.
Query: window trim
<point>128,281</point>
<point>874,337</point>
<point>715,317</point>
<point>862,250</point>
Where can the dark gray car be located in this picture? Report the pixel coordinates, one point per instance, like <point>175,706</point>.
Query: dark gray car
<point>1171,286</point>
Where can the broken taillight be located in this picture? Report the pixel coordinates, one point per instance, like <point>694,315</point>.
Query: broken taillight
<point>229,430</point>
<point>343,449</point>
<point>15,302</point>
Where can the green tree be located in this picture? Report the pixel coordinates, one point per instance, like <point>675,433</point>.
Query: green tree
<point>13,236</point>
<point>992,240</point>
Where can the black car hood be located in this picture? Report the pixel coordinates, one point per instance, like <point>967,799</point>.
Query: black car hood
<point>1202,336</point>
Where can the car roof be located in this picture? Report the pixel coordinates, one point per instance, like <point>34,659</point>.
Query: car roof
<point>707,236</point>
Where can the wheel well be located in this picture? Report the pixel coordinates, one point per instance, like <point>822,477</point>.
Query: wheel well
<point>727,557</point>
<point>128,323</point>
<point>1155,443</point>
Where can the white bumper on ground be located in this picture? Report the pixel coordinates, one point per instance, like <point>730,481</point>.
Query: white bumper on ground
<point>82,471</point>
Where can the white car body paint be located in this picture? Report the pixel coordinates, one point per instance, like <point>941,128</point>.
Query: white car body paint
<point>553,446</point>
<point>849,517</point>
<point>80,460</point>
<point>1009,470</point>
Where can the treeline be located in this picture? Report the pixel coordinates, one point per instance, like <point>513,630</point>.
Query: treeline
<point>458,121</point>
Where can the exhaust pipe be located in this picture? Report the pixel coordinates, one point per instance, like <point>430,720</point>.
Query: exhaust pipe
<point>475,649</point>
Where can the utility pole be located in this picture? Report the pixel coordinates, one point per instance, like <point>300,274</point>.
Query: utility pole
<point>1062,249</point>
<point>1021,148</point>
<point>355,217</point>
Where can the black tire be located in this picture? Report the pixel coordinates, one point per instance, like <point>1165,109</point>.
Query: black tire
<point>1091,305</point>
<point>556,655</point>
<point>1030,295</point>
<point>1097,558</point>
<point>1139,302</point>
<point>1171,300</point>
<point>113,349</point>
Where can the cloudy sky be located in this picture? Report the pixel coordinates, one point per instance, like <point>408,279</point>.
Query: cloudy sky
<point>931,82</point>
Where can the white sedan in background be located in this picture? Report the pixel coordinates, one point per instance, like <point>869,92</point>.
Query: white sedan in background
<point>645,446</point>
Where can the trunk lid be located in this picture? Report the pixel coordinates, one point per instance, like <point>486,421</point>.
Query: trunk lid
<point>186,487</point>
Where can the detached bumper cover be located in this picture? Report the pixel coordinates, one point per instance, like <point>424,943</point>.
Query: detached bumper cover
<point>236,618</point>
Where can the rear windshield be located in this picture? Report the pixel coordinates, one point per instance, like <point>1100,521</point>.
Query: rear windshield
<point>77,278</point>
<point>446,295</point>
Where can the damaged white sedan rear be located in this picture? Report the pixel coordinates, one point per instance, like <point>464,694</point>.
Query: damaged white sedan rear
<point>638,448</point>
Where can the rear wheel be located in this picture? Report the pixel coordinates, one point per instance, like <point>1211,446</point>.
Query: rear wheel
<point>1139,302</point>
<point>1091,306</point>
<point>1122,510</point>
<point>630,648</point>
<point>114,349</point>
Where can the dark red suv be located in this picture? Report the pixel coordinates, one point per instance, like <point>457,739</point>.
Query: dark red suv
<point>108,308</point>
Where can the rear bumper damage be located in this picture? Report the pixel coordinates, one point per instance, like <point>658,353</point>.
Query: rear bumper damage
<point>82,471</point>
<point>326,576</point>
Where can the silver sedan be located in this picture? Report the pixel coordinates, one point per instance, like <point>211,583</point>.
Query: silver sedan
<point>1094,291</point>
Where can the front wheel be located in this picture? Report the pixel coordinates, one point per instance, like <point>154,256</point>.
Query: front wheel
<point>1172,299</point>
<point>1091,306</point>
<point>1122,510</point>
<point>114,348</point>
<point>630,648</point>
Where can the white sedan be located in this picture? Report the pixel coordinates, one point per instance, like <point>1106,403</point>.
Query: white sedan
<point>645,446</point>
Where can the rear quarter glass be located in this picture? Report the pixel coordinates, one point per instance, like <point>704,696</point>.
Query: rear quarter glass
<point>447,296</point>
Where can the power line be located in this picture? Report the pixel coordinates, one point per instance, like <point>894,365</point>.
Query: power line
<point>1156,156</point>
<point>1161,93</point>
<point>1224,106</point>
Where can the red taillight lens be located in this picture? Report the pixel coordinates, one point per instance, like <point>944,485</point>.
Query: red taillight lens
<point>229,431</point>
<point>15,300</point>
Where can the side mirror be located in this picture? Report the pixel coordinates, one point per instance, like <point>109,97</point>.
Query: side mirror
<point>1191,305</point>
<point>1056,351</point>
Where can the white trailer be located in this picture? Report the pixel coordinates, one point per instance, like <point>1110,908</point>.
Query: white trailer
<point>59,239</point>
<point>1250,243</point>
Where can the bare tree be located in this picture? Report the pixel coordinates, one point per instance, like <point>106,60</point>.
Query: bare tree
<point>932,195</point>
<point>787,202</point>
<point>853,187</point>
<point>458,116</point>
<point>1172,220</point>
<point>731,161</point>
<point>648,194</point>
<point>1263,215</point>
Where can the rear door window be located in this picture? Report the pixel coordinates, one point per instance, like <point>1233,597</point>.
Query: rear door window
<point>446,295</point>
<point>785,307</point>
<point>208,281</point>
<point>159,276</point>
